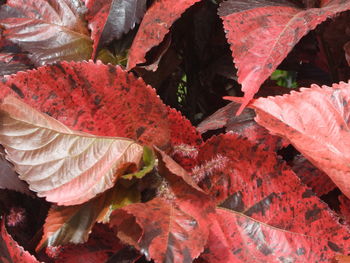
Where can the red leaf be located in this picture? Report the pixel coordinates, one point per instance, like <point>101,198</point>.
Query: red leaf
<point>262,33</point>
<point>238,238</point>
<point>10,251</point>
<point>154,26</point>
<point>169,233</point>
<point>311,176</point>
<point>243,125</point>
<point>261,186</point>
<point>87,97</point>
<point>297,116</point>
<point>344,208</point>
<point>110,19</point>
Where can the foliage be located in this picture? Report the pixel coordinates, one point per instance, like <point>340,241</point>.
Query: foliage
<point>98,163</point>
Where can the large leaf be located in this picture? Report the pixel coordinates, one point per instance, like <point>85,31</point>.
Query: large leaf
<point>154,26</point>
<point>10,250</point>
<point>50,30</point>
<point>297,116</point>
<point>94,98</point>
<point>60,164</point>
<point>169,234</point>
<point>262,33</point>
<point>237,238</point>
<point>254,182</point>
<point>73,224</point>
<point>110,19</point>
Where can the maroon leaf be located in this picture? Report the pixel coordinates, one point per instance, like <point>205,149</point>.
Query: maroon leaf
<point>256,183</point>
<point>87,97</point>
<point>318,181</point>
<point>11,63</point>
<point>110,19</point>
<point>49,30</point>
<point>154,26</point>
<point>262,33</point>
<point>297,116</point>
<point>168,233</point>
<point>9,178</point>
<point>10,251</point>
<point>344,208</point>
<point>235,237</point>
<point>243,125</point>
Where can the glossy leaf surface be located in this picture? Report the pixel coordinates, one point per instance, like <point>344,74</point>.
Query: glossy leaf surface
<point>64,166</point>
<point>327,111</point>
<point>154,26</point>
<point>49,30</point>
<point>262,33</point>
<point>110,19</point>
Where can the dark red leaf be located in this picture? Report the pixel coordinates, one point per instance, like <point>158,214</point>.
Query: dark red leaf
<point>256,183</point>
<point>110,19</point>
<point>9,178</point>
<point>101,245</point>
<point>243,125</point>
<point>10,251</point>
<point>169,234</point>
<point>49,30</point>
<point>344,207</point>
<point>297,116</point>
<point>11,63</point>
<point>318,181</point>
<point>154,26</point>
<point>262,33</point>
<point>237,238</point>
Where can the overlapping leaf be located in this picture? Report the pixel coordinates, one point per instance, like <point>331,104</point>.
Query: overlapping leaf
<point>94,98</point>
<point>262,33</point>
<point>297,116</point>
<point>169,234</point>
<point>10,250</point>
<point>49,30</point>
<point>62,165</point>
<point>154,26</point>
<point>254,182</point>
<point>73,224</point>
<point>111,19</point>
<point>235,237</point>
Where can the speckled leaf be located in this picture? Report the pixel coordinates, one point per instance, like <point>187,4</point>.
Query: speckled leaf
<point>237,238</point>
<point>11,251</point>
<point>243,125</point>
<point>297,116</point>
<point>94,98</point>
<point>65,166</point>
<point>262,33</point>
<point>73,224</point>
<point>110,19</point>
<point>50,30</point>
<point>169,234</point>
<point>318,181</point>
<point>256,183</point>
<point>154,26</point>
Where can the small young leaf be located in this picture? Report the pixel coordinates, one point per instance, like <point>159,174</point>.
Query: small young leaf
<point>49,30</point>
<point>62,165</point>
<point>148,162</point>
